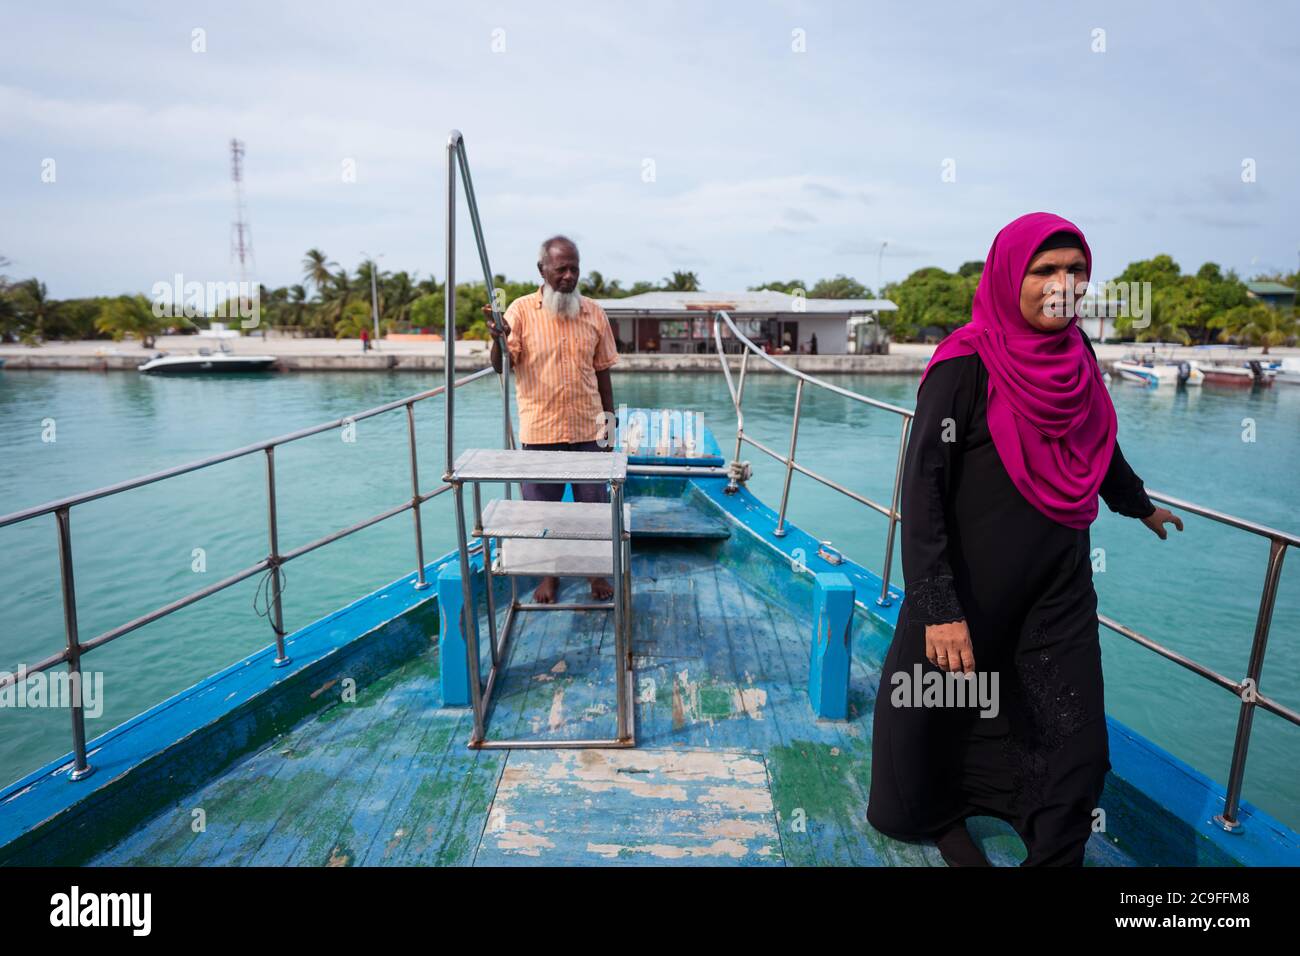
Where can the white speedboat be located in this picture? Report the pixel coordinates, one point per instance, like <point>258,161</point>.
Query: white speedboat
<point>1151,370</point>
<point>1286,371</point>
<point>207,362</point>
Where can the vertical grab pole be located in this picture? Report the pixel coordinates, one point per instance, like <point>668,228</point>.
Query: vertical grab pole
<point>80,768</point>
<point>487,577</point>
<point>789,464</point>
<point>620,608</point>
<point>883,600</point>
<point>469,628</point>
<point>740,415</point>
<point>273,559</point>
<point>489,283</point>
<point>420,583</point>
<point>449,307</point>
<point>1263,621</point>
<point>449,362</point>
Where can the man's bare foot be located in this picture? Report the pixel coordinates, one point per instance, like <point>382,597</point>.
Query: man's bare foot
<point>601,589</point>
<point>545,593</point>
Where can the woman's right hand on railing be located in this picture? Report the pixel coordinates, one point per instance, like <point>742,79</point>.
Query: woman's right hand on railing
<point>949,648</point>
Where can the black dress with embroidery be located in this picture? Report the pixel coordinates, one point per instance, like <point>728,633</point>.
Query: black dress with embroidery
<point>974,549</point>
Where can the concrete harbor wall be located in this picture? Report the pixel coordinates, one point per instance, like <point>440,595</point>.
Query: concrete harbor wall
<point>326,355</point>
<point>329,355</point>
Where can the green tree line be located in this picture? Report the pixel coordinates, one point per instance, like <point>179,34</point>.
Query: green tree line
<point>1199,308</point>
<point>331,301</point>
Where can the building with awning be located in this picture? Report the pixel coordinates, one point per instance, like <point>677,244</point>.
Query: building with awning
<point>682,322</point>
<point>1274,294</point>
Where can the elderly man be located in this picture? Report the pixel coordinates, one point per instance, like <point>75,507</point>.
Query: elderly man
<point>561,349</point>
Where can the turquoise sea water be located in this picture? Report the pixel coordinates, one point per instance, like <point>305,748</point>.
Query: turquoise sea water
<point>1197,593</point>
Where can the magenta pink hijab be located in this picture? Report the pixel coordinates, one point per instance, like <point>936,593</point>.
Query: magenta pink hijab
<point>1049,411</point>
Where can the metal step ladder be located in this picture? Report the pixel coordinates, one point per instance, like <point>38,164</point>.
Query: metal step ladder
<point>531,537</point>
<point>540,538</point>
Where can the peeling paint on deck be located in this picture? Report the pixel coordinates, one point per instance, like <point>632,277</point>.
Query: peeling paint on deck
<point>632,807</point>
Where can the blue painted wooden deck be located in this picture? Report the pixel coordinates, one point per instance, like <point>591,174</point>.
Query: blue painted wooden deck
<point>731,767</point>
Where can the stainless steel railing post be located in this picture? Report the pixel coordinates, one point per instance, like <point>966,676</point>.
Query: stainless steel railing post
<point>883,600</point>
<point>620,608</point>
<point>469,619</point>
<point>420,583</point>
<point>732,484</point>
<point>487,577</point>
<point>489,283</point>
<point>779,531</point>
<point>737,396</point>
<point>1245,719</point>
<point>273,562</point>
<point>449,305</point>
<point>81,769</point>
<point>469,612</point>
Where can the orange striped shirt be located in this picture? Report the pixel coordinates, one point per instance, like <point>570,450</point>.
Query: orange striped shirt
<point>554,360</point>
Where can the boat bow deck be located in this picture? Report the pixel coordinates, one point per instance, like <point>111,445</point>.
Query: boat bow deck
<point>731,766</point>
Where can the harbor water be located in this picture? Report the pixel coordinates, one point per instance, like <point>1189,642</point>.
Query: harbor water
<point>1237,451</point>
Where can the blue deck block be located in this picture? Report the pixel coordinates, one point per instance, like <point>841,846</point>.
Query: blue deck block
<point>828,669</point>
<point>452,641</point>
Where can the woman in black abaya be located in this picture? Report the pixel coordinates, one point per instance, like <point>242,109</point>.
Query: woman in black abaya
<point>1013,440</point>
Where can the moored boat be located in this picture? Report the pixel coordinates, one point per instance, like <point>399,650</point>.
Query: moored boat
<point>1150,369</point>
<point>207,362</point>
<point>1238,375</point>
<point>1286,371</point>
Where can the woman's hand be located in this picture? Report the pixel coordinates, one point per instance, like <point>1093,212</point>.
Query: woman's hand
<point>949,648</point>
<point>1157,520</point>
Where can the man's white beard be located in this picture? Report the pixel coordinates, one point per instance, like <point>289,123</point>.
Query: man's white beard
<point>566,304</point>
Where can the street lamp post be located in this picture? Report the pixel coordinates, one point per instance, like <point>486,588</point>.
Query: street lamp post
<point>880,286</point>
<point>374,292</point>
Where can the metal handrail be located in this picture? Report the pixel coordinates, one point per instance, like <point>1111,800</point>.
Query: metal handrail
<point>75,648</point>
<point>791,466</point>
<point>458,161</point>
<point>1247,689</point>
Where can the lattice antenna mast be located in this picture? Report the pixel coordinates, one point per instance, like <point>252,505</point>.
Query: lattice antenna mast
<point>241,233</point>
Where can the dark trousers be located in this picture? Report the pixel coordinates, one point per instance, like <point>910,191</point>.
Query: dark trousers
<point>587,491</point>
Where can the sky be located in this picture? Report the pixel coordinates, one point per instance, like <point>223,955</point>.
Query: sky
<point>746,142</point>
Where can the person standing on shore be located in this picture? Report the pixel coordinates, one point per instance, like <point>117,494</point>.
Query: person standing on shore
<point>365,340</point>
<point>561,349</point>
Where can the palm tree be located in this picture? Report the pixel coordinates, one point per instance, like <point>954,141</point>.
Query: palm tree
<point>10,321</point>
<point>35,303</point>
<point>594,286</point>
<point>316,268</point>
<point>682,282</point>
<point>398,294</point>
<point>297,305</point>
<point>1255,324</point>
<point>127,315</point>
<point>335,295</point>
<point>273,303</point>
